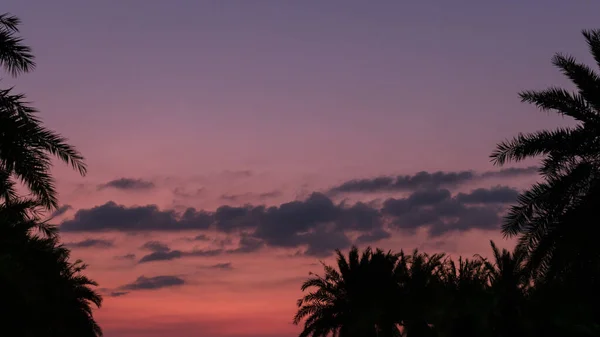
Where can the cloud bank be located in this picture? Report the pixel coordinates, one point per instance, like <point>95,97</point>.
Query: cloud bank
<point>425,180</point>
<point>317,224</point>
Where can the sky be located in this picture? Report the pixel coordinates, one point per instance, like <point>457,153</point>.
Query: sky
<point>232,145</point>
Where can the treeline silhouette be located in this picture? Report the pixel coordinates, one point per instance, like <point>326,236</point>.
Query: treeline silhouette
<point>42,292</point>
<point>547,286</point>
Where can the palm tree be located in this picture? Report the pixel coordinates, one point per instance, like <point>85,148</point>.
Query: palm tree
<point>465,302</point>
<point>15,56</point>
<point>43,294</point>
<point>357,299</point>
<point>26,146</point>
<point>509,281</point>
<point>553,217</point>
<point>422,289</point>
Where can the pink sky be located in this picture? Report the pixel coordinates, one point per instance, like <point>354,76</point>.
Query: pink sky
<point>209,103</point>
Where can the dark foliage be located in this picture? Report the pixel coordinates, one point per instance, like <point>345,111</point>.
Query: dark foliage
<point>548,286</point>
<point>42,293</point>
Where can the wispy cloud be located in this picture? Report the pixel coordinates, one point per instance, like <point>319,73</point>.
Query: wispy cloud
<point>61,210</point>
<point>125,257</point>
<point>128,184</point>
<point>91,243</point>
<point>147,283</point>
<point>223,266</point>
<point>425,180</point>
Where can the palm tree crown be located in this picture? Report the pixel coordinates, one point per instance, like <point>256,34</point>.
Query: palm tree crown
<point>552,217</point>
<point>15,56</point>
<point>26,146</point>
<point>353,300</point>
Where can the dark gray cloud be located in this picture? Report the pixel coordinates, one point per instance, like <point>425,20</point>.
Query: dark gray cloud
<point>322,242</point>
<point>61,210</point>
<point>250,196</point>
<point>117,293</point>
<point>498,194</point>
<point>125,257</point>
<point>128,184</point>
<point>153,283</point>
<point>177,254</point>
<point>155,246</point>
<point>441,213</point>
<point>161,256</point>
<point>248,244</point>
<point>317,224</point>
<point>373,236</point>
<point>425,180</point>
<point>111,216</point>
<point>420,180</point>
<point>91,243</point>
<point>511,172</point>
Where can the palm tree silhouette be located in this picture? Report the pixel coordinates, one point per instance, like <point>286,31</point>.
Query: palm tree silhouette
<point>42,293</point>
<point>37,282</point>
<point>15,56</point>
<point>462,309</point>
<point>26,146</point>
<point>509,281</point>
<point>357,299</point>
<point>552,217</point>
<point>421,284</point>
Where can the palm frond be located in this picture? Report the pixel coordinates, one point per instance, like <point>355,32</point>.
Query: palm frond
<point>15,56</point>
<point>531,145</point>
<point>562,102</point>
<point>26,146</point>
<point>586,80</point>
<point>592,37</point>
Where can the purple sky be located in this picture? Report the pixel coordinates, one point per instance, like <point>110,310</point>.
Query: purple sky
<point>301,95</point>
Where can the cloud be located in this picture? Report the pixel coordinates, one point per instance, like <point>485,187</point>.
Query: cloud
<point>247,244</point>
<point>373,236</point>
<point>316,225</point>
<point>177,254</point>
<point>61,210</point>
<point>511,172</point>
<point>234,197</point>
<point>441,213</point>
<point>155,246</point>
<point>223,266</point>
<point>405,183</point>
<point>128,184</point>
<point>161,256</point>
<point>111,216</point>
<point>425,180</point>
<point>250,196</point>
<point>117,293</point>
<point>269,195</point>
<point>91,243</point>
<point>181,193</point>
<point>201,237</point>
<point>125,257</point>
<point>161,252</point>
<point>153,283</point>
<point>498,194</point>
